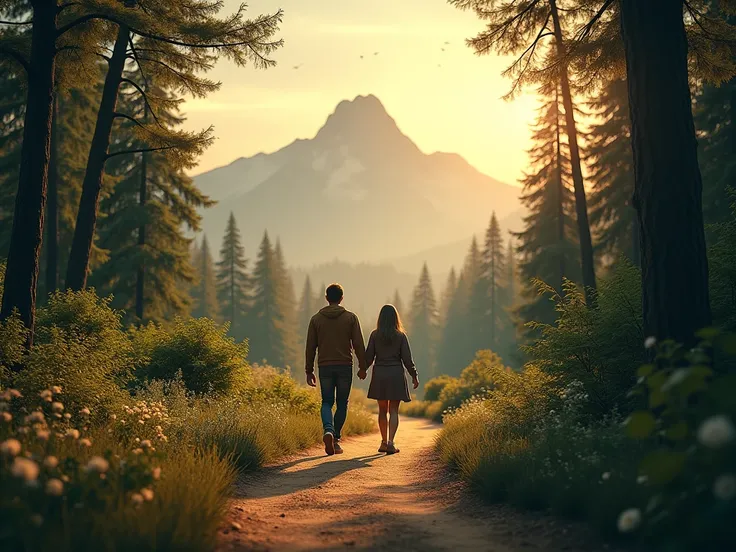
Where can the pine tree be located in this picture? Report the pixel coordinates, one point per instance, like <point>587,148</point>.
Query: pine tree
<point>146,214</point>
<point>398,303</point>
<point>286,299</point>
<point>448,296</point>
<point>511,276</point>
<point>319,298</point>
<point>306,311</point>
<point>546,245</point>
<point>205,291</point>
<point>266,335</point>
<point>454,352</point>
<point>233,282</point>
<point>611,166</point>
<point>422,325</point>
<point>494,276</point>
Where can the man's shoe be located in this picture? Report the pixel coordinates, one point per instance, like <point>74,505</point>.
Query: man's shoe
<point>338,448</point>
<point>383,447</point>
<point>329,440</point>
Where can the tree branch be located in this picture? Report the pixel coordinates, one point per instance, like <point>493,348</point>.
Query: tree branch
<point>145,99</point>
<point>17,56</point>
<point>17,22</point>
<point>84,19</point>
<point>72,47</point>
<point>141,150</point>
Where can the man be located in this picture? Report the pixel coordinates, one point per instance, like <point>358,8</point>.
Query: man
<point>335,333</point>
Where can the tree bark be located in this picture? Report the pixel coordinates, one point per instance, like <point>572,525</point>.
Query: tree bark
<point>21,275</point>
<point>52,206</point>
<point>668,186</point>
<point>581,206</point>
<point>560,197</point>
<point>84,231</point>
<point>140,279</point>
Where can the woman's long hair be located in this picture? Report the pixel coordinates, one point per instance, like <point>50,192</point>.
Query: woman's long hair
<point>389,324</point>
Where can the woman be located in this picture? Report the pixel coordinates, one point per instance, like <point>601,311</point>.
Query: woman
<point>388,346</point>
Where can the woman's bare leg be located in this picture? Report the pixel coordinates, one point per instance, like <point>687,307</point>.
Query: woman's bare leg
<point>393,424</point>
<point>382,419</point>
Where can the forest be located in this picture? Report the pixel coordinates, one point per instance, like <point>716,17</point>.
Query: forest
<point>582,366</point>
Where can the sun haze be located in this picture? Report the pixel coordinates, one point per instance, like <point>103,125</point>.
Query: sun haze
<point>411,54</point>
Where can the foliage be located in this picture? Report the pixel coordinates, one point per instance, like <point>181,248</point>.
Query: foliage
<point>204,292</point>
<point>434,387</point>
<point>209,360</point>
<point>233,282</point>
<point>722,269</point>
<point>421,323</point>
<point>600,348</point>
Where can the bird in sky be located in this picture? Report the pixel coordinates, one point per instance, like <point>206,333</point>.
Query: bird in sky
<point>443,49</point>
<point>297,66</point>
<point>375,53</point>
<point>447,43</point>
<point>361,57</point>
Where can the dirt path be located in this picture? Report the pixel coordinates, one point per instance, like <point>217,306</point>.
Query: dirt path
<point>362,500</point>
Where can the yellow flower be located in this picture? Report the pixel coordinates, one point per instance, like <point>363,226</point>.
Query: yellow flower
<point>54,487</point>
<point>85,411</point>
<point>24,468</point>
<point>50,462</point>
<point>11,447</point>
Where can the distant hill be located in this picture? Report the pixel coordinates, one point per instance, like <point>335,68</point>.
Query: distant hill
<point>359,190</point>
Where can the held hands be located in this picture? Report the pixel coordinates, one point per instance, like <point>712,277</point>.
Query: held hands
<point>311,380</point>
<point>415,381</point>
<point>362,373</point>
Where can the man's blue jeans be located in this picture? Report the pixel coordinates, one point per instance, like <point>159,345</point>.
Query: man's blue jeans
<point>335,383</point>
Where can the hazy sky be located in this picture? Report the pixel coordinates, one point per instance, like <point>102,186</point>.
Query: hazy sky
<point>455,108</point>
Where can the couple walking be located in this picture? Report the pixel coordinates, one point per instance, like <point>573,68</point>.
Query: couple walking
<point>334,334</point>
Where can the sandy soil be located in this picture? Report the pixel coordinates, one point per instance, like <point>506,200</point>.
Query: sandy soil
<point>362,500</point>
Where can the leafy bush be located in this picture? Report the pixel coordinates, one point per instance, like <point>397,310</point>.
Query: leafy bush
<point>79,345</point>
<point>434,387</point>
<point>209,360</point>
<point>599,347</point>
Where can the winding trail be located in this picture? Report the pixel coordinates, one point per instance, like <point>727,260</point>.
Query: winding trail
<point>362,500</point>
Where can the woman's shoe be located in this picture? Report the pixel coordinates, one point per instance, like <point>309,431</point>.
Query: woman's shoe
<point>383,447</point>
<point>391,449</point>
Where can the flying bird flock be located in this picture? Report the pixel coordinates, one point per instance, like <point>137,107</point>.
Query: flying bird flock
<point>362,56</point>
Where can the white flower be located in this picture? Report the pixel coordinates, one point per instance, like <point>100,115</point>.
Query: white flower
<point>724,487</point>
<point>24,468</point>
<point>137,451</point>
<point>67,416</point>
<point>85,411</point>
<point>11,447</point>
<point>6,417</point>
<point>113,417</point>
<point>146,443</point>
<point>650,342</point>
<point>629,520</point>
<point>136,498</point>
<point>716,431</point>
<point>57,407</point>
<point>677,377</point>
<point>98,464</point>
<point>606,476</point>
<point>85,442</point>
<point>50,462</point>
<point>156,473</point>
<point>54,487</point>
<point>147,494</point>
<point>46,395</point>
<point>72,433</point>
<point>56,389</point>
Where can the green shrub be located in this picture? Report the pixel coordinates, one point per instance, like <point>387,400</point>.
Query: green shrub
<point>209,360</point>
<point>434,387</point>
<point>80,346</point>
<point>269,384</point>
<point>599,347</point>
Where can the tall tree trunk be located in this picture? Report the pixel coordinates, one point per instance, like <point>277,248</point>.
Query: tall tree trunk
<point>84,231</point>
<point>140,278</point>
<point>21,274</point>
<point>52,206</point>
<point>635,242</point>
<point>560,197</point>
<point>668,186</point>
<point>581,206</point>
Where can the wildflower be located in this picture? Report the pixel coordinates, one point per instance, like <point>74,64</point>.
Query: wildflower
<point>716,431</point>
<point>46,395</point>
<point>65,478</point>
<point>650,342</point>
<point>72,433</point>
<point>629,520</point>
<point>85,411</point>
<point>24,468</point>
<point>147,494</point>
<point>67,416</point>
<point>54,487</point>
<point>50,462</point>
<point>6,417</point>
<point>146,443</point>
<point>141,422</point>
<point>97,464</point>
<point>14,393</point>
<point>56,389</point>
<point>85,442</point>
<point>11,447</point>
<point>43,434</point>
<point>37,520</point>
<point>137,451</point>
<point>57,407</point>
<point>113,417</point>
<point>724,487</point>
<point>35,418</point>
<point>136,498</point>
<point>642,479</point>
<point>606,476</point>
<point>156,473</point>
